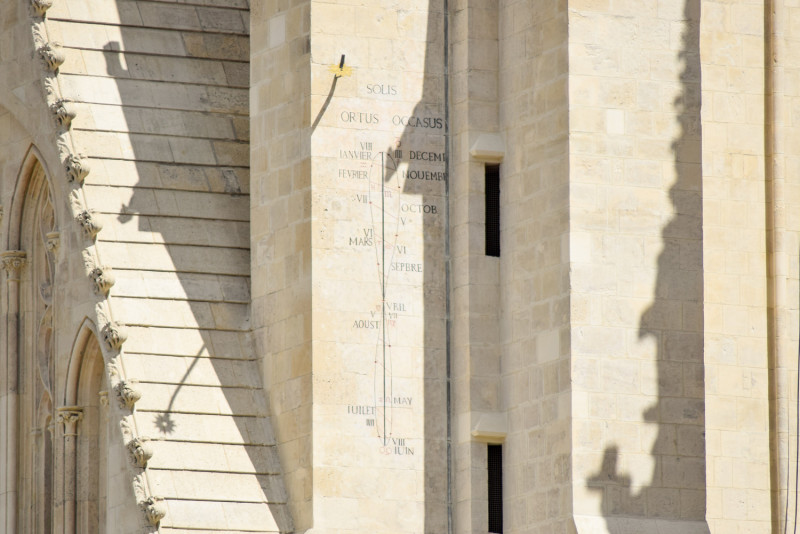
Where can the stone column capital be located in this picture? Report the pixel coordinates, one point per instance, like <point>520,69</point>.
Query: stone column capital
<point>69,416</point>
<point>13,263</point>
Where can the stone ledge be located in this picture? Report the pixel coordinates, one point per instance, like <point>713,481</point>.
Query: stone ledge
<point>585,524</point>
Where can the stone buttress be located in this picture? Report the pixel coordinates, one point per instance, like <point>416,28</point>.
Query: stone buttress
<point>151,104</point>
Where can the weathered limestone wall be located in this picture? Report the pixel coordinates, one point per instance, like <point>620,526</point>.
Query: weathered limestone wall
<point>14,144</point>
<point>636,266</point>
<point>635,343</point>
<point>378,274</point>
<point>736,267</point>
<point>280,234</point>
<point>783,166</point>
<point>534,274</point>
<point>478,413</point>
<point>751,239</point>
<point>348,221</point>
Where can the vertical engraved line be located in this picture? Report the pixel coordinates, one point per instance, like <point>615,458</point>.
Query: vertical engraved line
<point>383,287</point>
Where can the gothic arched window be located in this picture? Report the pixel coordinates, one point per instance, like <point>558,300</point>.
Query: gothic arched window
<point>38,445</point>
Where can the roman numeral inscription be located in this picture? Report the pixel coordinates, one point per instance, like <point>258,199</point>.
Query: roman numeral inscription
<point>387,195</point>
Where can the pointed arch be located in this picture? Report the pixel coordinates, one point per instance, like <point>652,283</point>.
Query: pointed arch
<point>87,336</point>
<point>32,164</point>
<point>32,226</point>
<point>86,390</point>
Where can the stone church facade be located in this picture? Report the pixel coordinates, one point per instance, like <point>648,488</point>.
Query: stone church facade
<point>399,266</point>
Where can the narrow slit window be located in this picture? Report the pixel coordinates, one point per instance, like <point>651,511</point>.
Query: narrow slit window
<point>495,471</point>
<point>492,195</point>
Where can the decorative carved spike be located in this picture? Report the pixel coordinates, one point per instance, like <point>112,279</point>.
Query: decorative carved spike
<point>13,262</point>
<point>141,450</point>
<point>77,167</point>
<point>51,88</point>
<point>91,225</point>
<point>103,279</point>
<point>40,7</point>
<point>64,112</point>
<point>128,395</point>
<point>101,310</point>
<point>114,335</point>
<point>139,488</point>
<point>112,368</point>
<point>155,508</point>
<point>52,55</point>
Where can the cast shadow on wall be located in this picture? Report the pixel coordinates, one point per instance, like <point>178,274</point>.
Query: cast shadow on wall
<point>435,285</point>
<point>674,321</point>
<point>201,383</point>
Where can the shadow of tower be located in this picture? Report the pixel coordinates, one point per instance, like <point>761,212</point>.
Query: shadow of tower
<point>674,321</point>
<point>426,182</point>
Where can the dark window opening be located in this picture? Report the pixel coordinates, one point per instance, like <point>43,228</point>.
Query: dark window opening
<point>492,195</point>
<point>495,471</point>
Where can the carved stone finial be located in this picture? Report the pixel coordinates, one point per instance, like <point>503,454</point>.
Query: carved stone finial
<point>13,262</point>
<point>141,450</point>
<point>52,54</point>
<point>128,395</point>
<point>64,112</point>
<point>155,508</point>
<point>103,395</point>
<point>40,7</point>
<point>53,240</point>
<point>77,167</point>
<point>103,279</point>
<point>91,225</point>
<point>114,335</point>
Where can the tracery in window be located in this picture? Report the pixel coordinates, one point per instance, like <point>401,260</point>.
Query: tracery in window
<point>39,448</point>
